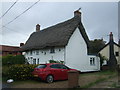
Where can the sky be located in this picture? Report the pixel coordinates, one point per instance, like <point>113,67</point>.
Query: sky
<point>98,18</point>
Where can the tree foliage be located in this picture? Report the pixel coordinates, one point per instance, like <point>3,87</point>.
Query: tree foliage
<point>96,45</point>
<point>10,59</point>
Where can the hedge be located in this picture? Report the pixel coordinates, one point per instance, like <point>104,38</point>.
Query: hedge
<point>10,60</point>
<point>54,61</point>
<point>20,72</point>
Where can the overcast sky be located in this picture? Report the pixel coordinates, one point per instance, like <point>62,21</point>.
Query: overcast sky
<point>98,18</point>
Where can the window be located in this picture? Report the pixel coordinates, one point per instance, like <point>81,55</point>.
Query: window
<point>41,66</point>
<point>37,52</point>
<point>64,67</point>
<point>34,61</point>
<point>38,61</point>
<point>10,52</point>
<point>59,49</point>
<point>44,53</point>
<point>52,50</point>
<point>92,61</point>
<point>56,66</point>
<point>117,53</point>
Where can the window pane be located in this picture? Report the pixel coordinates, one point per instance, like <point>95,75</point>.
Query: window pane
<point>37,52</point>
<point>117,53</point>
<point>52,50</point>
<point>64,67</point>
<point>90,62</point>
<point>41,66</point>
<point>57,66</point>
<point>34,61</point>
<point>38,61</point>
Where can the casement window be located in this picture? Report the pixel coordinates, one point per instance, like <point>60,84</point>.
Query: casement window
<point>52,50</point>
<point>117,54</point>
<point>37,52</point>
<point>44,53</point>
<point>38,61</point>
<point>92,61</point>
<point>59,49</point>
<point>34,61</point>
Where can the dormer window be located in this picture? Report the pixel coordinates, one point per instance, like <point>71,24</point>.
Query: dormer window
<point>59,49</point>
<point>52,50</point>
<point>37,52</point>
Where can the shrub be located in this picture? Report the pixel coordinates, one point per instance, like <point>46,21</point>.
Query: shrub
<point>10,60</point>
<point>20,72</point>
<point>53,61</point>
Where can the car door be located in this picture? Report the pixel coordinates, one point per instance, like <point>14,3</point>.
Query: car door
<point>56,71</point>
<point>64,72</point>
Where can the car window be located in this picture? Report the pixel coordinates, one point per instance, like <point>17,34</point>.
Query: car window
<point>64,67</point>
<point>41,66</point>
<point>57,66</point>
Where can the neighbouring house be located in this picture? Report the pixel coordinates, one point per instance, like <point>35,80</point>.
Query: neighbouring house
<point>111,52</point>
<point>10,50</point>
<point>66,41</point>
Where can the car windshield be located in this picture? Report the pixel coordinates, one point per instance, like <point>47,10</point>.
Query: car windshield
<point>41,66</point>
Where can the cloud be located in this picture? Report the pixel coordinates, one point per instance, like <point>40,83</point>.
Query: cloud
<point>99,19</point>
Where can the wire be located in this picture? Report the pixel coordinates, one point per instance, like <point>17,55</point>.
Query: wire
<point>21,14</point>
<point>15,31</point>
<point>8,9</point>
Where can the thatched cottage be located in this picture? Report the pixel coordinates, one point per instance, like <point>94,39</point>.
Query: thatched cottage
<point>66,41</point>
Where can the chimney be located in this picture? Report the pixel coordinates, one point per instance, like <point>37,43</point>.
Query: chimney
<point>21,44</point>
<point>111,37</point>
<point>37,27</point>
<point>112,63</point>
<point>77,13</point>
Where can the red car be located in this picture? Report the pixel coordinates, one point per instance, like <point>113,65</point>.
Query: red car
<point>51,71</point>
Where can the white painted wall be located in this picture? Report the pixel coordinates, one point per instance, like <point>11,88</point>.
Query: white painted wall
<point>43,58</point>
<point>105,52</point>
<point>76,53</point>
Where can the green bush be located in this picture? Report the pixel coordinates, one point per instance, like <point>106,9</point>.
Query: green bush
<point>53,61</point>
<point>10,60</point>
<point>20,72</point>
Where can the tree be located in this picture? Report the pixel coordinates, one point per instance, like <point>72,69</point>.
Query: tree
<point>96,45</point>
<point>10,59</point>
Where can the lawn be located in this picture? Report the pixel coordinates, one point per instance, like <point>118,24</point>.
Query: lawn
<point>89,79</point>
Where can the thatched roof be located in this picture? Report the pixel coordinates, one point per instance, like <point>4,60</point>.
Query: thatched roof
<point>57,35</point>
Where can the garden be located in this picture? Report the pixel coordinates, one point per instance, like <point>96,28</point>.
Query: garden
<point>14,67</point>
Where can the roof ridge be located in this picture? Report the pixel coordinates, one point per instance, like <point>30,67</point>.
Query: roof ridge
<point>56,35</point>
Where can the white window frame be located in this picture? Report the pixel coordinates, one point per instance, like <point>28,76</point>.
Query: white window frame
<point>92,61</point>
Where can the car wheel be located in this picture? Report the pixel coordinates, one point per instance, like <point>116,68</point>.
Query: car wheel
<point>49,79</point>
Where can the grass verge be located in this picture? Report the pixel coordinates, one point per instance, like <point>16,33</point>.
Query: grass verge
<point>111,73</point>
<point>115,85</point>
